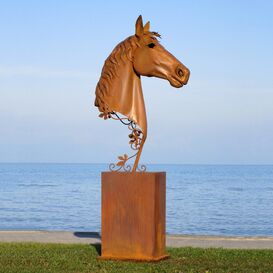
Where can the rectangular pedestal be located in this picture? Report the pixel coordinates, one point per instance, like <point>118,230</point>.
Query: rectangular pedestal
<point>133,216</point>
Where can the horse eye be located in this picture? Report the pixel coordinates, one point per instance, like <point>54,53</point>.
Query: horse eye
<point>151,45</point>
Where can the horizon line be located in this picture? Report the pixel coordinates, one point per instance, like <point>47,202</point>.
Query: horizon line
<point>100,163</point>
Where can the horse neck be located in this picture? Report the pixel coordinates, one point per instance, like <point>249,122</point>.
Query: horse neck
<point>127,97</point>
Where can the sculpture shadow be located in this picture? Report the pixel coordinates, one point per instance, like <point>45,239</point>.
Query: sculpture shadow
<point>92,235</point>
<point>82,234</point>
<point>97,246</point>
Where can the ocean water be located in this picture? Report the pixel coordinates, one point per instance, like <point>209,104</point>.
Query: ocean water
<point>201,199</point>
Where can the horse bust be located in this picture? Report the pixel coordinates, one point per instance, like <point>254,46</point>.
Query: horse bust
<point>119,88</point>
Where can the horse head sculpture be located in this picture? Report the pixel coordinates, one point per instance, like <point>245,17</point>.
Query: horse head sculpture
<point>119,88</point>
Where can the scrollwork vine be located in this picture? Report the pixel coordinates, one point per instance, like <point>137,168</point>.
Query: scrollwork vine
<point>135,138</point>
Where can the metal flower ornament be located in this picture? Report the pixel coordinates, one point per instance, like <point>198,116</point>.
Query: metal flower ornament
<point>119,94</point>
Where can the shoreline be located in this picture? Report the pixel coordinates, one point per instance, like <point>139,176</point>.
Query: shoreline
<point>175,240</point>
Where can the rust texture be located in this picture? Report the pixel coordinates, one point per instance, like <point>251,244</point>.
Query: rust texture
<point>119,88</point>
<point>133,216</point>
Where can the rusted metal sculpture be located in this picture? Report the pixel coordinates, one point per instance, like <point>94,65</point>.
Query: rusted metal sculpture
<point>119,88</point>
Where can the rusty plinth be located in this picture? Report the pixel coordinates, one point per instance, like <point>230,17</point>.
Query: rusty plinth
<point>133,216</point>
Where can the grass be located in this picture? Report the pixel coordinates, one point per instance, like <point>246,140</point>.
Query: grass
<point>63,258</point>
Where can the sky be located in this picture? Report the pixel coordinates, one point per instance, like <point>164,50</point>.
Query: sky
<point>52,53</point>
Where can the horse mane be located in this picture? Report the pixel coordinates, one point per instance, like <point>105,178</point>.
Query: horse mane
<point>122,52</point>
<point>119,55</point>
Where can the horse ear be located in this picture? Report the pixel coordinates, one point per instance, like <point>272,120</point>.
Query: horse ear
<point>146,28</point>
<point>139,26</point>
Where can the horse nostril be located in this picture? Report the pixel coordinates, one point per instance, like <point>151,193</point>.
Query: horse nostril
<point>180,72</point>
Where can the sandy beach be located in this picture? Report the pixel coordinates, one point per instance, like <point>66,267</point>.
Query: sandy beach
<point>67,237</point>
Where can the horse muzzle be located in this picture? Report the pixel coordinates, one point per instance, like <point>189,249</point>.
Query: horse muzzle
<point>180,77</point>
<point>183,74</point>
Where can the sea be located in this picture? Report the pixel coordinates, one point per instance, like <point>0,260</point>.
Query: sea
<point>228,200</point>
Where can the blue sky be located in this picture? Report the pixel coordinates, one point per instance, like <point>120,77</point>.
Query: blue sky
<point>52,52</point>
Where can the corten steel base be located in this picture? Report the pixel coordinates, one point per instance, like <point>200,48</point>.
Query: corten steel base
<point>133,216</point>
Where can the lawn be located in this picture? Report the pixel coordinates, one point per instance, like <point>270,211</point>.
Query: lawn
<point>63,258</point>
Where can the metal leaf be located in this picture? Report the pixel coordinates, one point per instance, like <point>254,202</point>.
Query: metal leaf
<point>120,163</point>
